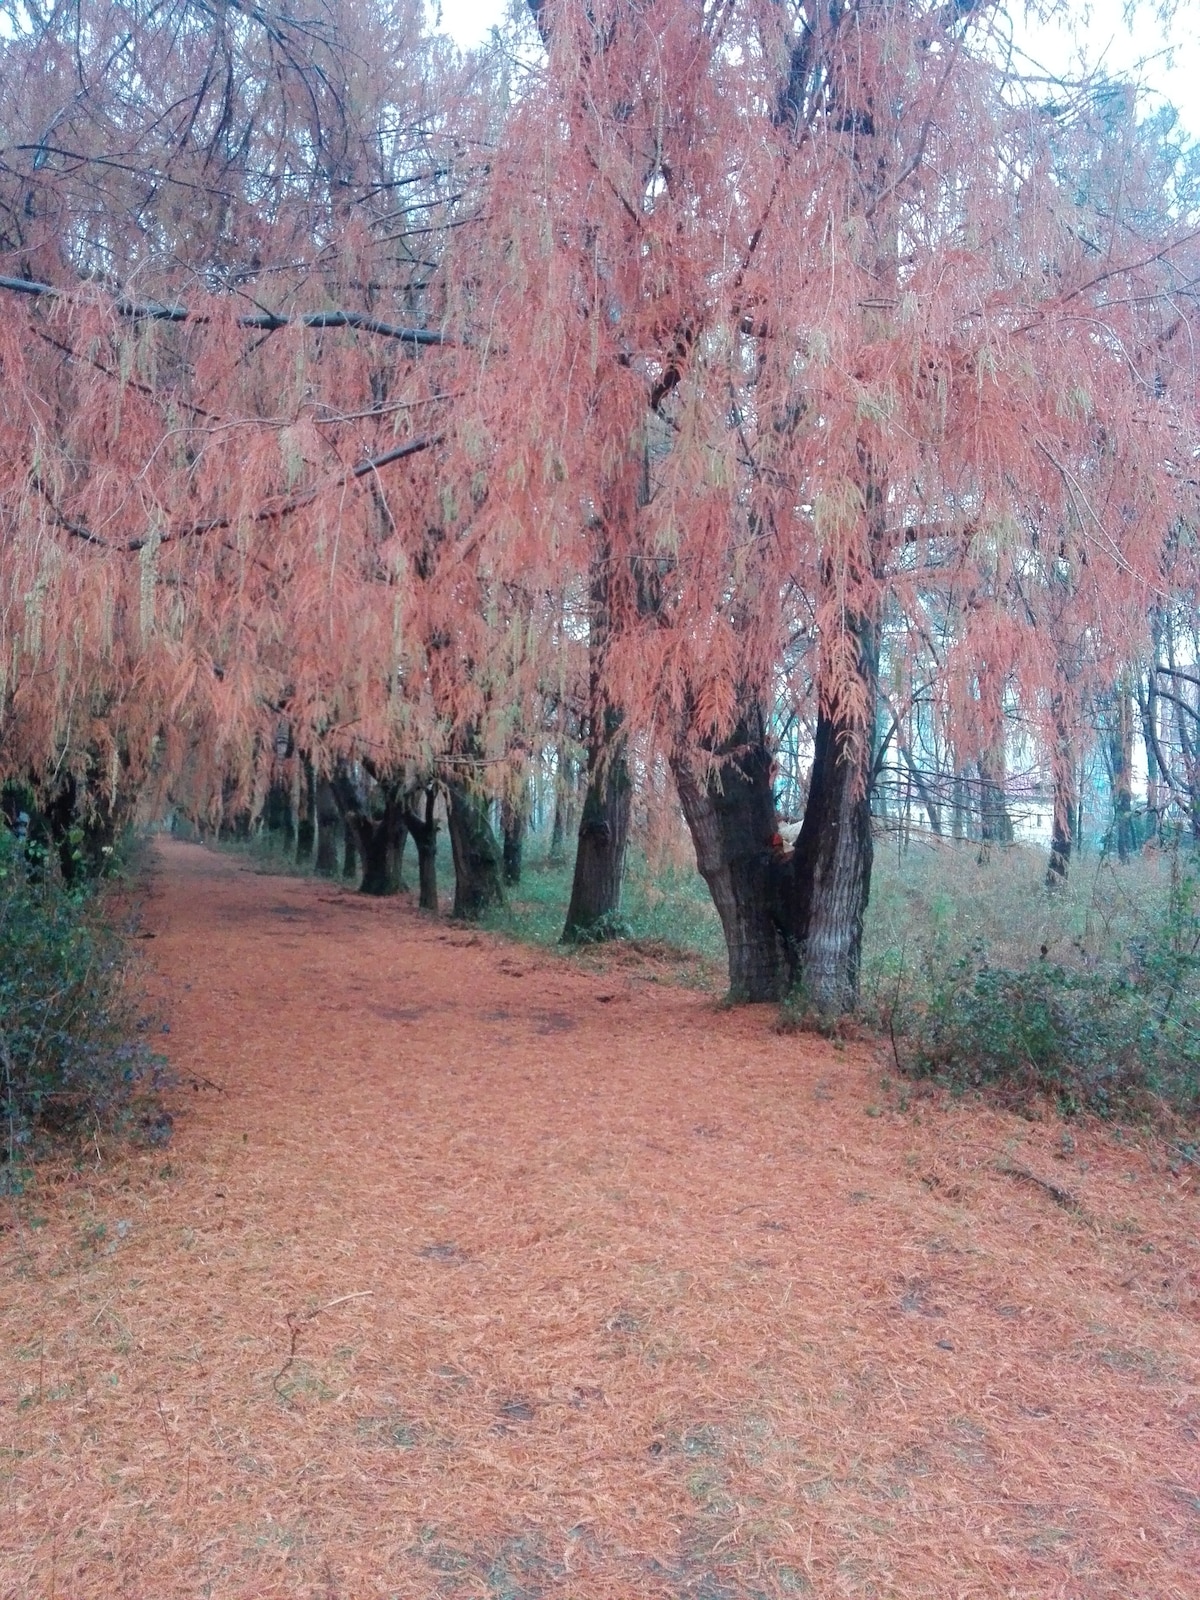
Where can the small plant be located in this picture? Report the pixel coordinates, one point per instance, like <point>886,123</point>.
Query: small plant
<point>73,1054</point>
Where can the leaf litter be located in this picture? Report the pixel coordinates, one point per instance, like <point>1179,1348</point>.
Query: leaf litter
<point>434,1307</point>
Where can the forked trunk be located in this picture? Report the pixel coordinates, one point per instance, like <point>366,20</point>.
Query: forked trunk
<point>477,855</point>
<point>734,827</point>
<point>424,831</point>
<point>381,845</point>
<point>603,838</point>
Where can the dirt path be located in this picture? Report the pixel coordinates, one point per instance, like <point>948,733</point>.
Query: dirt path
<point>484,1276</point>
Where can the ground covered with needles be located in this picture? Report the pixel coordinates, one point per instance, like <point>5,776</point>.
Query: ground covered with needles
<point>471,1270</point>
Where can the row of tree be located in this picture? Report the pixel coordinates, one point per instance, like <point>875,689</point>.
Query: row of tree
<point>662,381</point>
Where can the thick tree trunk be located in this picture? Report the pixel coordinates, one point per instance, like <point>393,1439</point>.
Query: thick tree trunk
<point>329,829</point>
<point>424,832</point>
<point>733,823</point>
<point>379,836</point>
<point>381,845</point>
<point>834,854</point>
<point>477,855</point>
<point>603,838</point>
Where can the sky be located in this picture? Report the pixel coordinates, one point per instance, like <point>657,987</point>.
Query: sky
<point>1170,69</point>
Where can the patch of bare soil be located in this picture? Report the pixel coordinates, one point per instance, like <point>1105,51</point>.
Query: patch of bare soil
<point>481,1275</point>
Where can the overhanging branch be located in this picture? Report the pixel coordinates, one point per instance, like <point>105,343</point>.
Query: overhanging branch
<point>267,321</point>
<point>267,513</point>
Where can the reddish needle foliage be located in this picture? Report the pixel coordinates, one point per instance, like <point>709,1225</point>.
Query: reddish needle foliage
<point>489,1277</point>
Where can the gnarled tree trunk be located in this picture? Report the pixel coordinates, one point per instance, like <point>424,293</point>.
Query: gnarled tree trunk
<point>834,854</point>
<point>477,854</point>
<point>731,816</point>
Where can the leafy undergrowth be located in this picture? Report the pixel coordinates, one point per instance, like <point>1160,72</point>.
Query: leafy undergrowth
<point>1089,994</point>
<point>471,1273</point>
<point>75,1060</point>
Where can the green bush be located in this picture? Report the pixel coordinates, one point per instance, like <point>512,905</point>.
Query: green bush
<point>74,1056</point>
<point>1104,1036</point>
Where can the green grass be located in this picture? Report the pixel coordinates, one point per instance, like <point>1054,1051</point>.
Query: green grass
<point>671,908</point>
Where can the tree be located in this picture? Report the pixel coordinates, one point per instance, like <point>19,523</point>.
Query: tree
<point>822,273</point>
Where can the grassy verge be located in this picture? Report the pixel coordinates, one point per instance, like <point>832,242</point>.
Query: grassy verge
<point>1091,994</point>
<point>75,1054</point>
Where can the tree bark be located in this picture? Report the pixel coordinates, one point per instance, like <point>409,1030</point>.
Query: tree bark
<point>424,833</point>
<point>379,836</point>
<point>603,837</point>
<point>512,826</point>
<point>350,865</point>
<point>608,799</point>
<point>995,824</point>
<point>278,814</point>
<point>329,828</point>
<point>477,855</point>
<point>835,852</point>
<point>1065,803</point>
<point>1120,771</point>
<point>734,827</point>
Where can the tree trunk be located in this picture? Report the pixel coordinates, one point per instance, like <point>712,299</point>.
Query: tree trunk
<point>603,838</point>
<point>1120,771</point>
<point>995,824</point>
<point>608,800</point>
<point>734,827</point>
<point>350,853</point>
<point>381,844</point>
<point>302,834</point>
<point>424,832</point>
<point>1065,803</point>
<point>959,813</point>
<point>329,827</point>
<point>512,826</point>
<point>379,837</point>
<point>477,855</point>
<point>279,816</point>
<point>831,865</point>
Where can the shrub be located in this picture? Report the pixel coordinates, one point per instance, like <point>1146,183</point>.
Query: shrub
<point>73,1055</point>
<point>1106,1035</point>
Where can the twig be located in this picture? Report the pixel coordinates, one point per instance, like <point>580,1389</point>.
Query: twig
<point>1060,1196</point>
<point>296,1325</point>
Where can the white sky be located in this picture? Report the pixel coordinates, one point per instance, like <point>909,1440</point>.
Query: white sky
<point>1169,63</point>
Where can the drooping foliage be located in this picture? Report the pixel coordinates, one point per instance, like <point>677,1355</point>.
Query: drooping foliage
<point>684,363</point>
